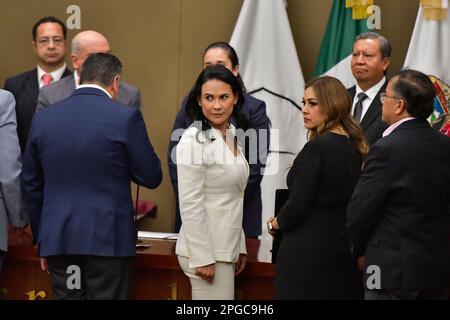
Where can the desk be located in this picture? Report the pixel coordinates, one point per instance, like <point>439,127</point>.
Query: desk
<point>157,275</point>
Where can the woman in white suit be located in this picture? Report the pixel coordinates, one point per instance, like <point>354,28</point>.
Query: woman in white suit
<point>212,176</point>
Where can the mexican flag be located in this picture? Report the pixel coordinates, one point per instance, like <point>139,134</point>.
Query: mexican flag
<point>337,44</point>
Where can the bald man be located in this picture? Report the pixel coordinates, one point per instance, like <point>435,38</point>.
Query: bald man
<point>84,44</point>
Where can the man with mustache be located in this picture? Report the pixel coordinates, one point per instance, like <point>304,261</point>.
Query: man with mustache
<point>371,58</point>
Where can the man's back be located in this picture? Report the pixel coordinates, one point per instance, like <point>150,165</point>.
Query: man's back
<point>87,149</point>
<point>412,231</point>
<point>420,170</point>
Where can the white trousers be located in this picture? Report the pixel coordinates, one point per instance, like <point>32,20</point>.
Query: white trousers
<point>222,287</point>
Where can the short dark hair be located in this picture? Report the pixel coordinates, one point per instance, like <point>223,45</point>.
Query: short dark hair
<point>417,90</point>
<point>232,55</point>
<point>100,68</point>
<point>225,46</point>
<point>48,20</point>
<point>385,45</point>
<point>221,73</point>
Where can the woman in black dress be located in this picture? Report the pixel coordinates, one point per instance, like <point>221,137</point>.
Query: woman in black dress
<point>314,259</point>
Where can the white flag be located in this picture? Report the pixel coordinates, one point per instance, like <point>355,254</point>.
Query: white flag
<point>271,72</point>
<point>429,49</point>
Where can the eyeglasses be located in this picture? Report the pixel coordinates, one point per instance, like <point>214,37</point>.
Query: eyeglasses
<point>383,97</point>
<point>43,42</point>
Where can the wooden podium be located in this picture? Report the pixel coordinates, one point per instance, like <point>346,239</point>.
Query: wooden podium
<point>157,275</point>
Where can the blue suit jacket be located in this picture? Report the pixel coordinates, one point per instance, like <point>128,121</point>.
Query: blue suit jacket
<point>80,158</point>
<point>255,112</point>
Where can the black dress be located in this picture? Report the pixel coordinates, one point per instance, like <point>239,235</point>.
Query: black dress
<point>314,259</point>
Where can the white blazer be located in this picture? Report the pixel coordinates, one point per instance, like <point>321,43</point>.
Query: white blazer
<point>211,184</point>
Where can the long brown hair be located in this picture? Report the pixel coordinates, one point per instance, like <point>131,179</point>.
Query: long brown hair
<point>335,102</point>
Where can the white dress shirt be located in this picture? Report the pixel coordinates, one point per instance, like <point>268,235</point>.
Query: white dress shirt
<point>371,94</point>
<point>95,87</point>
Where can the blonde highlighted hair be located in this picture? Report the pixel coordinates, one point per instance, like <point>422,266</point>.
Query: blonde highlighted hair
<point>335,102</point>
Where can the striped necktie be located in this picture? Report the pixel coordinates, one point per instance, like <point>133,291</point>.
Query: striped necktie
<point>357,113</point>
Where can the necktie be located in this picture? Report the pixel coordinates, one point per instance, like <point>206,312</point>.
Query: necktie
<point>46,79</point>
<point>357,113</point>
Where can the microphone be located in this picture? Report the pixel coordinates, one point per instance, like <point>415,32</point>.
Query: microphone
<point>136,214</point>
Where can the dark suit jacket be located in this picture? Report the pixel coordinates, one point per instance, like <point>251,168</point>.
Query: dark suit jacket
<point>255,112</point>
<point>399,215</point>
<point>80,158</point>
<point>371,123</point>
<point>25,88</point>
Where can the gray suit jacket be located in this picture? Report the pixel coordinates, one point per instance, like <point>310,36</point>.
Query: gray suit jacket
<point>62,89</point>
<point>12,209</point>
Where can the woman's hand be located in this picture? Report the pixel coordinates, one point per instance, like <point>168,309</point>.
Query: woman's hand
<point>240,264</point>
<point>206,272</point>
<point>272,226</point>
<point>44,265</point>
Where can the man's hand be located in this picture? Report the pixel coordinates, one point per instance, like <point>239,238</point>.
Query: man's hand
<point>240,264</point>
<point>44,265</point>
<point>19,233</point>
<point>206,272</point>
<point>362,263</point>
<point>22,236</point>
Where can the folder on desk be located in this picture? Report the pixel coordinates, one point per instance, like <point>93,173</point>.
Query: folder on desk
<point>281,197</point>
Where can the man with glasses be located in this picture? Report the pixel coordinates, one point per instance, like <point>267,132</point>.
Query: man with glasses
<point>49,45</point>
<point>371,57</point>
<point>399,215</point>
<point>83,45</point>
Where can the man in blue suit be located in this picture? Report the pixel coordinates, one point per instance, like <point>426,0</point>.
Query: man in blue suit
<point>80,158</point>
<point>256,153</point>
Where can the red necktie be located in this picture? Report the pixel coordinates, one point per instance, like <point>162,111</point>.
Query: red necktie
<point>47,79</point>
